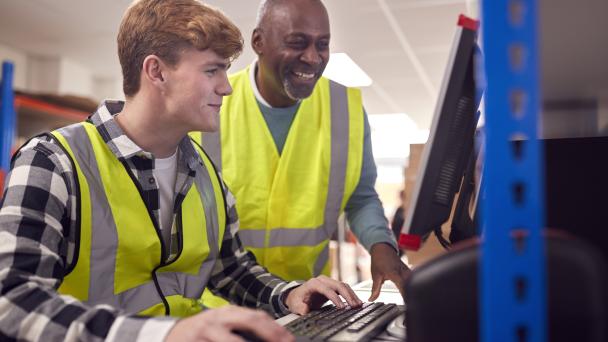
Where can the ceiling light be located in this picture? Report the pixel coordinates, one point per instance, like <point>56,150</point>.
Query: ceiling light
<point>342,69</point>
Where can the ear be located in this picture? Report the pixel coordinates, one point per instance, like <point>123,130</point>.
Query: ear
<point>257,41</point>
<point>152,70</point>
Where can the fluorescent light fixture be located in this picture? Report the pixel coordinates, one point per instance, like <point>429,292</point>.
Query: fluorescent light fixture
<point>342,69</point>
<point>392,135</point>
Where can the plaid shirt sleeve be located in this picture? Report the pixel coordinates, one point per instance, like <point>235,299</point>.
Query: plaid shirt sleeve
<point>37,213</point>
<point>237,275</point>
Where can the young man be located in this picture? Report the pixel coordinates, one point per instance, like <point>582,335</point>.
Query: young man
<point>110,229</point>
<point>295,149</point>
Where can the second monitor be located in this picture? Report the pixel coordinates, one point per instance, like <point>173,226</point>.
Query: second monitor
<point>450,142</point>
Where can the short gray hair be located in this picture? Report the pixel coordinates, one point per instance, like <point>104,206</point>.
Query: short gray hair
<point>264,9</point>
<point>262,12</point>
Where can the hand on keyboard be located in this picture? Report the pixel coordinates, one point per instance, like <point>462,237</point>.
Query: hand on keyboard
<point>224,323</point>
<point>313,293</point>
<point>330,320</point>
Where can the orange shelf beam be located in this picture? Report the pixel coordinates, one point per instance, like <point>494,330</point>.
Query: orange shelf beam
<point>55,110</point>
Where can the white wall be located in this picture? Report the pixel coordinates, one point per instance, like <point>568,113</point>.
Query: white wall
<point>19,60</point>
<point>43,74</point>
<point>74,79</point>
<point>57,75</point>
<point>107,88</point>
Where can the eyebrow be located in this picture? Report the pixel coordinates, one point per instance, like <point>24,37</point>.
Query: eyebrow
<point>304,35</point>
<point>220,65</point>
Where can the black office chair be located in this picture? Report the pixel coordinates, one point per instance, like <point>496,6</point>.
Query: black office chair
<point>442,302</point>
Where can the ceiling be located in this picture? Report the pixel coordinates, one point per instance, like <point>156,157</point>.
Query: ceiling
<point>574,49</point>
<point>402,45</point>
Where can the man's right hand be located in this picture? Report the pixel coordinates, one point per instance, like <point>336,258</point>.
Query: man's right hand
<point>219,324</point>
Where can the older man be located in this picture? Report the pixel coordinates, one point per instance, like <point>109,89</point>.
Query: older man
<point>295,149</point>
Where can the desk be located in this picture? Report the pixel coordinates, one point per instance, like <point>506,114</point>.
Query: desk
<point>388,294</point>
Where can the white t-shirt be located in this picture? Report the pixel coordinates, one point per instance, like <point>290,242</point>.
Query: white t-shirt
<point>165,172</point>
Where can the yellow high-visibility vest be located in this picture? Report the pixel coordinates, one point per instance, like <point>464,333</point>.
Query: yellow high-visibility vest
<point>119,259</point>
<point>289,204</point>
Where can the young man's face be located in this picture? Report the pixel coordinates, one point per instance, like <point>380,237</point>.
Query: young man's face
<point>195,87</point>
<point>296,48</point>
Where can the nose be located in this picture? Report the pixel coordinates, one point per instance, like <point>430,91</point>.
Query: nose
<point>312,56</point>
<point>224,88</point>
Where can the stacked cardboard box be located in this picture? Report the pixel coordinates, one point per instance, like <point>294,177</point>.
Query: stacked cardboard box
<point>431,247</point>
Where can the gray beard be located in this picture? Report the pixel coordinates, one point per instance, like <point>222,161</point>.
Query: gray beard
<point>293,93</point>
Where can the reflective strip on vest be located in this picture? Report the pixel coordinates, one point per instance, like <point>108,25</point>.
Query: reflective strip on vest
<point>346,141</point>
<point>133,288</point>
<point>211,142</point>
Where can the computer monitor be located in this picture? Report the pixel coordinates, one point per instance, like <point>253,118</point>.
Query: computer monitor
<point>576,188</point>
<point>450,142</point>
<point>465,220</point>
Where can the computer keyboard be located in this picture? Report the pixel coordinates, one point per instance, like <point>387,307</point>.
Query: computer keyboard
<point>349,324</point>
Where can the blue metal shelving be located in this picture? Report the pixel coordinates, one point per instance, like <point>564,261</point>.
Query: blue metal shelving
<point>512,282</point>
<point>7,118</point>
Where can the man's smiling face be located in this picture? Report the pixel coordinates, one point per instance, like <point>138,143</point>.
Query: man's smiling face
<point>295,48</point>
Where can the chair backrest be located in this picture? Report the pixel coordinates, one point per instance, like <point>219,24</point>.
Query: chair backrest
<point>442,295</point>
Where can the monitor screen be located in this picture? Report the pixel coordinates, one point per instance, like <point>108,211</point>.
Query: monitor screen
<point>448,149</point>
<point>576,186</point>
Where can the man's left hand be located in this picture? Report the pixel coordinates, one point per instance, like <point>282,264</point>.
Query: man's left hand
<point>386,265</point>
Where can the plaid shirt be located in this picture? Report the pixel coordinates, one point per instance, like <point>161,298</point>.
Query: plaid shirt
<point>37,225</point>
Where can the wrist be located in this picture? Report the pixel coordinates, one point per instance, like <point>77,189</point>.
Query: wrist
<point>383,247</point>
<point>284,295</point>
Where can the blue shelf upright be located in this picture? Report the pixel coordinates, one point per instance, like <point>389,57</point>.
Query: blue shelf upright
<point>512,282</point>
<point>7,120</point>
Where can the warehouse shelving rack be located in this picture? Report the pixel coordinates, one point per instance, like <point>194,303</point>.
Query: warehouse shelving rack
<point>7,119</point>
<point>513,304</point>
<point>24,115</point>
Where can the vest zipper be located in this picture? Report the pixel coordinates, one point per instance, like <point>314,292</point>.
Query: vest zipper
<point>180,235</point>
<point>163,251</point>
